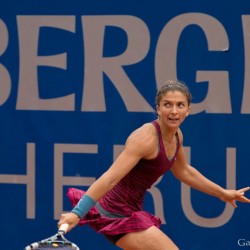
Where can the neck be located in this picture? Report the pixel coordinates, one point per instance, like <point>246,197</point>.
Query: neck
<point>168,134</point>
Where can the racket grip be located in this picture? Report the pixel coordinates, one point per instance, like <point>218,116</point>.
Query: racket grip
<point>63,228</point>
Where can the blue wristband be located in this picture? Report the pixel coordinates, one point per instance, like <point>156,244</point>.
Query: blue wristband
<point>83,206</point>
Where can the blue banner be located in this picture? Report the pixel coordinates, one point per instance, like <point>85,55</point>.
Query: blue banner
<point>77,77</point>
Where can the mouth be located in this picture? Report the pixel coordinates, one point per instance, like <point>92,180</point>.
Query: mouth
<point>174,120</point>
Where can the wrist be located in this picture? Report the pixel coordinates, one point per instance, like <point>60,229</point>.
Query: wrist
<point>83,206</point>
<point>76,214</point>
<point>221,193</point>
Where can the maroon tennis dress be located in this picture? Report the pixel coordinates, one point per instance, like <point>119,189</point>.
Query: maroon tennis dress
<point>120,211</point>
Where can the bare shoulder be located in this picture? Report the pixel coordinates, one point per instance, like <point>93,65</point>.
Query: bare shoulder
<point>143,140</point>
<point>144,133</point>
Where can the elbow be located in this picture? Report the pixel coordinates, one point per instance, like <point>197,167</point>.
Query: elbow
<point>180,177</point>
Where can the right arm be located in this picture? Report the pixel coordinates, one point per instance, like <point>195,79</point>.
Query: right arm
<point>142,143</point>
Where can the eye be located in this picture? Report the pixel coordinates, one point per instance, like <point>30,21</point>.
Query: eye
<point>167,104</point>
<point>181,105</point>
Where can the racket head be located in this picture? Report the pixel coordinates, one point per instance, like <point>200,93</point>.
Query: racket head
<point>57,241</point>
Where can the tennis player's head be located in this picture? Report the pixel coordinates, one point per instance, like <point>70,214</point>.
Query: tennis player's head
<point>173,85</point>
<point>173,103</point>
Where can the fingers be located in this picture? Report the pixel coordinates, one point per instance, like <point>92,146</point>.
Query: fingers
<point>59,223</point>
<point>243,190</point>
<point>62,220</point>
<point>237,195</point>
<point>69,218</point>
<point>233,203</point>
<point>242,198</point>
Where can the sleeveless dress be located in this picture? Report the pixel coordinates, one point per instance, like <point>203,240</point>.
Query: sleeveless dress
<point>124,203</point>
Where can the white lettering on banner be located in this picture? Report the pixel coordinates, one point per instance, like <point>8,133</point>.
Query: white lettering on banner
<point>5,81</point>
<point>28,91</point>
<point>218,86</point>
<point>228,211</point>
<point>60,180</point>
<point>166,59</point>
<point>28,180</point>
<point>245,109</point>
<point>138,37</point>
<point>95,64</point>
<point>154,191</point>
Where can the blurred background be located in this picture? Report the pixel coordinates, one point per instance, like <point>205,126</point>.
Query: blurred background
<point>77,77</point>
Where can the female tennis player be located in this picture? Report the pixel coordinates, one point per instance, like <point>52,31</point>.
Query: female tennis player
<point>113,203</point>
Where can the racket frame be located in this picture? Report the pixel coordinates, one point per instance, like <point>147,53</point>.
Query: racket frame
<point>57,238</point>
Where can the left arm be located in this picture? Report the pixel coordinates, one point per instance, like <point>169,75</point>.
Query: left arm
<point>192,177</point>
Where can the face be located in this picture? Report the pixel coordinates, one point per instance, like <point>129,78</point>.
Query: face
<point>173,109</point>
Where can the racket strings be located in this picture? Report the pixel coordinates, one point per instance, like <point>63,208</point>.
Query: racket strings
<point>53,248</point>
<point>54,245</point>
<point>57,241</point>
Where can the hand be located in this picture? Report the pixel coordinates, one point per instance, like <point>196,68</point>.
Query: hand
<point>70,218</point>
<point>231,196</point>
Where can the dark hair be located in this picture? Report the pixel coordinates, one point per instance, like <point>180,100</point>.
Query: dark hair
<point>173,85</point>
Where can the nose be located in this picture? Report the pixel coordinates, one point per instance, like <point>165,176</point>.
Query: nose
<point>174,110</point>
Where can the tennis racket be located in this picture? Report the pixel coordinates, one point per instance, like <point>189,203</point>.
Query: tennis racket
<point>57,241</point>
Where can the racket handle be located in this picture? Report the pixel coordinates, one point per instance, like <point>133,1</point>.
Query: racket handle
<point>63,228</point>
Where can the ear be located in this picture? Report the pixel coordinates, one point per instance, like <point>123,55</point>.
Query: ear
<point>188,112</point>
<point>157,109</point>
